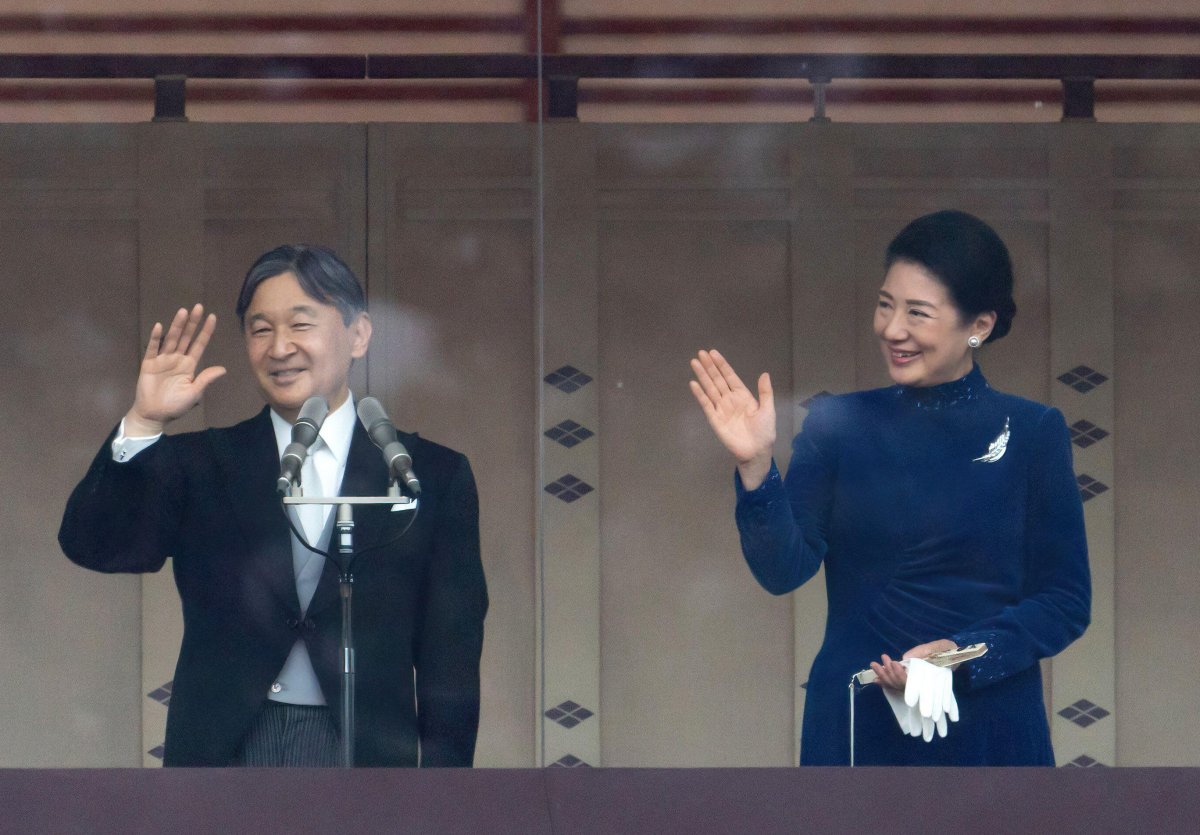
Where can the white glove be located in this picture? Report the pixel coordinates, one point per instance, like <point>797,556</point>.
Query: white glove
<point>930,690</point>
<point>908,718</point>
<point>927,702</point>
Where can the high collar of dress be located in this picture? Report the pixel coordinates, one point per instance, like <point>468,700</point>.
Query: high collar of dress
<point>945,395</point>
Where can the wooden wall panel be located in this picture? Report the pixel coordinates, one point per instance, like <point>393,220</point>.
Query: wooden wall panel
<point>1154,254</point>
<point>453,304</point>
<point>694,252</point>
<point>68,330</point>
<point>569,561</point>
<point>1158,581</point>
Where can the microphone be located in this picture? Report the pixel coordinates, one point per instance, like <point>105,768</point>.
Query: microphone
<point>305,431</point>
<point>375,421</point>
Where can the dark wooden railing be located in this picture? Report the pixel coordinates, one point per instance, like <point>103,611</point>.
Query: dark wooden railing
<point>571,25</point>
<point>562,74</point>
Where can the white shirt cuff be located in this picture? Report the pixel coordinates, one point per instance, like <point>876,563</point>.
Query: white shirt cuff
<point>124,447</point>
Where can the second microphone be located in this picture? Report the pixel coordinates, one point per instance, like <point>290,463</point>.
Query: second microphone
<point>383,433</point>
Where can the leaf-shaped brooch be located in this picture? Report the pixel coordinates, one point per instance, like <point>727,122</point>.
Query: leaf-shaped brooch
<point>996,448</point>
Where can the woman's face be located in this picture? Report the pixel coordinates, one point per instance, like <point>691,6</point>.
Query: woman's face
<point>921,332</point>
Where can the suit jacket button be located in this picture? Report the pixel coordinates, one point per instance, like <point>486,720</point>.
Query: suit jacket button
<point>292,623</point>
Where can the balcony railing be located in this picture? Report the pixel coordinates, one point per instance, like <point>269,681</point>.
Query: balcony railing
<point>562,73</point>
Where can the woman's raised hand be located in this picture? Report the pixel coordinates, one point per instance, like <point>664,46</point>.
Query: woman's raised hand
<point>168,385</point>
<point>743,423</point>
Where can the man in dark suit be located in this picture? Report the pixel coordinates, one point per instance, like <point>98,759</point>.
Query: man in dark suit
<point>257,680</point>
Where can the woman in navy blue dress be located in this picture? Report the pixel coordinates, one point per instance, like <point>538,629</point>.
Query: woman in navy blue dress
<point>946,513</point>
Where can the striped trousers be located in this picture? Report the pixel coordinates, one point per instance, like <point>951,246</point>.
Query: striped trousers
<point>285,735</point>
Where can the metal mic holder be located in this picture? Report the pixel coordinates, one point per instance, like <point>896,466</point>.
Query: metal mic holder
<point>342,554</point>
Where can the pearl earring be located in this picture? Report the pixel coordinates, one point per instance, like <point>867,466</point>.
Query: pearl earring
<point>974,341</point>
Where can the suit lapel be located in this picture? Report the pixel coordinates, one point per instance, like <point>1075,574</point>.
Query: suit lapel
<point>248,460</point>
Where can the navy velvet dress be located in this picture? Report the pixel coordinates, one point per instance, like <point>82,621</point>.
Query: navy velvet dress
<point>925,535</point>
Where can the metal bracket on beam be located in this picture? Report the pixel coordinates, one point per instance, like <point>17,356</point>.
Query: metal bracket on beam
<point>1079,99</point>
<point>562,97</point>
<point>818,87</point>
<point>170,98</point>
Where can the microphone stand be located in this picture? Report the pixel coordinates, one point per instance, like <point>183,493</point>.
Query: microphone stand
<point>343,557</point>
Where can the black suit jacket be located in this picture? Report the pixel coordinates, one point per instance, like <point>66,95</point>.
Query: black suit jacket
<point>207,499</point>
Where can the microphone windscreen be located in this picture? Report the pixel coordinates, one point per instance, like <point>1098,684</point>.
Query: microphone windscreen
<point>308,422</point>
<point>314,410</point>
<point>371,413</point>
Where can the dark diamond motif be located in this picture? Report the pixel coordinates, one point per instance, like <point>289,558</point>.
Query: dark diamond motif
<point>569,433</point>
<point>569,761</point>
<point>808,401</point>
<point>567,379</point>
<point>568,714</point>
<point>162,694</point>
<point>568,488</point>
<point>1089,488</point>
<point>1084,761</point>
<point>804,686</point>
<point>1083,713</point>
<point>157,752</point>
<point>1082,379</point>
<point>1085,433</point>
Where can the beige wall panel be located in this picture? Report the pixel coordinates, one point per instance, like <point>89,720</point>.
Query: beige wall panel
<point>725,157</point>
<point>569,562</point>
<point>68,324</point>
<point>1154,154</point>
<point>969,153</point>
<point>453,358</point>
<point>1081,306</point>
<point>696,658</point>
<point>1157,573</point>
<point>969,196</point>
<point>1020,362</point>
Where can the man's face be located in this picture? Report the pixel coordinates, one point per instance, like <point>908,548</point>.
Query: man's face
<point>299,346</point>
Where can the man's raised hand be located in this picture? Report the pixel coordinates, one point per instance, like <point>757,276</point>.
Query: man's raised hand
<point>168,385</point>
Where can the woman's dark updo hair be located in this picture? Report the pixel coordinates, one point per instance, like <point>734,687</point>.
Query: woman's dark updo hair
<point>967,257</point>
